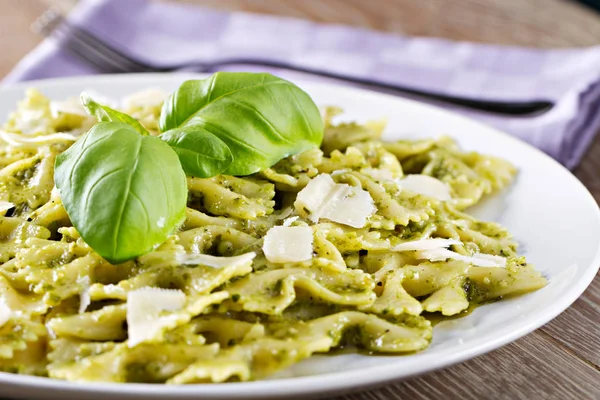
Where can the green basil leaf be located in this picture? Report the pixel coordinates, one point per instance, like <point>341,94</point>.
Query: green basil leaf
<point>201,153</point>
<point>105,113</point>
<point>260,117</point>
<point>125,193</point>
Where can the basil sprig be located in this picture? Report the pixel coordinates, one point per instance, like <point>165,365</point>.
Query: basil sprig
<point>125,191</point>
<point>260,117</point>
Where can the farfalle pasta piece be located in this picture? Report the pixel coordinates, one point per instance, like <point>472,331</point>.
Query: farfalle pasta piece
<point>18,333</point>
<point>340,136</point>
<point>232,197</point>
<point>14,232</point>
<point>120,363</point>
<point>477,236</point>
<point>51,215</point>
<point>104,324</point>
<point>35,115</point>
<point>484,284</point>
<point>393,299</point>
<point>469,175</point>
<point>192,280</point>
<point>262,357</point>
<point>30,360</point>
<point>391,201</point>
<point>27,183</point>
<point>403,149</point>
<point>196,219</point>
<point>293,173</point>
<point>227,331</point>
<point>271,292</point>
<point>450,299</point>
<point>214,239</point>
<point>253,360</point>
<point>212,303</point>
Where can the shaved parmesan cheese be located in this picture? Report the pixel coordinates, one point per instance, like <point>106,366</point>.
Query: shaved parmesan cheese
<point>425,244</point>
<point>84,296</point>
<point>318,195</point>
<point>112,290</point>
<point>5,313</point>
<point>69,106</point>
<point>54,193</point>
<point>147,312</point>
<point>484,258</point>
<point>5,206</point>
<point>340,171</point>
<point>215,262</point>
<point>84,300</point>
<point>353,208</point>
<point>288,244</point>
<point>341,203</point>
<point>289,221</point>
<point>378,174</point>
<point>17,140</point>
<point>51,333</point>
<point>145,98</point>
<point>427,186</point>
<point>286,212</point>
<point>479,260</point>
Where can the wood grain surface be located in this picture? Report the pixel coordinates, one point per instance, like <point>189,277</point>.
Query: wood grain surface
<point>562,359</point>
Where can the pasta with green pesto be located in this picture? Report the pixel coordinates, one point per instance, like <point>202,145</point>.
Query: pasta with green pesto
<point>357,244</point>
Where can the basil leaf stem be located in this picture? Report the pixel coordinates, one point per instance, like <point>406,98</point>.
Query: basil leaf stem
<point>105,113</point>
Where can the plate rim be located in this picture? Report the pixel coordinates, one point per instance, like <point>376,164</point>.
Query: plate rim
<point>338,382</point>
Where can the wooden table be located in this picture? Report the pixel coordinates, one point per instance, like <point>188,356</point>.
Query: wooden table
<point>562,359</point>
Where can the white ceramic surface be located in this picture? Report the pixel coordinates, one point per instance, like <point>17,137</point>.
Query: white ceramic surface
<point>548,210</point>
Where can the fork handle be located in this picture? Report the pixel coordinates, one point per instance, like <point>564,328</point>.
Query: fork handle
<point>522,108</point>
<point>52,19</point>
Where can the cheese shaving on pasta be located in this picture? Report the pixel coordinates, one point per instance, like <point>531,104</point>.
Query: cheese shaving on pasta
<point>215,262</point>
<point>425,244</point>
<point>323,198</point>
<point>426,185</point>
<point>84,296</point>
<point>147,312</point>
<point>479,260</point>
<point>288,244</point>
<point>354,244</point>
<point>5,313</point>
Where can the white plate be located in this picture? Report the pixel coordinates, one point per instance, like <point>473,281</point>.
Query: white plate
<point>548,210</point>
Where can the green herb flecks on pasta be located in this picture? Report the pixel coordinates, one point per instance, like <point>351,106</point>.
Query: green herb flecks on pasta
<point>219,307</point>
<point>123,189</point>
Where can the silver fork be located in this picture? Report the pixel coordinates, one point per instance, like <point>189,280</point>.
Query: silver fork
<point>107,58</point>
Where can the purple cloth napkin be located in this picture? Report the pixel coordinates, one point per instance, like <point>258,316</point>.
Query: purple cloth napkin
<point>167,33</point>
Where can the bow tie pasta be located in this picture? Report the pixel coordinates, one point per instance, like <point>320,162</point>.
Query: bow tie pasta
<point>360,243</point>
